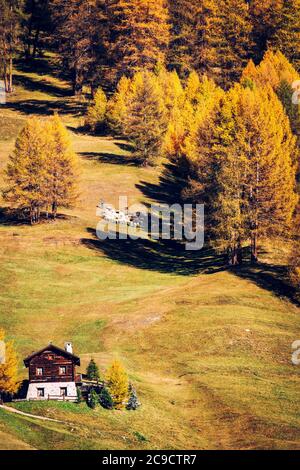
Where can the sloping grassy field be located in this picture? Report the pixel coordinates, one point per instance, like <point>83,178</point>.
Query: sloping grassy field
<point>209,350</point>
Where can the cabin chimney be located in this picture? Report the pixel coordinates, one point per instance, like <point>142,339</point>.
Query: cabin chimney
<point>69,348</point>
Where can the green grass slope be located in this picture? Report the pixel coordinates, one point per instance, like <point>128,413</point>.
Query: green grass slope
<point>209,350</point>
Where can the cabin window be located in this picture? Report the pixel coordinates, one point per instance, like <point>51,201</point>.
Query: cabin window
<point>39,371</point>
<point>62,370</point>
<point>40,392</point>
<point>63,391</point>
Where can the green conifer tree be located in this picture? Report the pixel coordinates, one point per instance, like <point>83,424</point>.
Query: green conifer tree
<point>105,399</point>
<point>92,371</point>
<point>93,399</point>
<point>145,119</point>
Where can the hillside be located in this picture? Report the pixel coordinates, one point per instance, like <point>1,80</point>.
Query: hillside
<point>208,349</point>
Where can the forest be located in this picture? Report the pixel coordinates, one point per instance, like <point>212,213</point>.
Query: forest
<point>208,85</point>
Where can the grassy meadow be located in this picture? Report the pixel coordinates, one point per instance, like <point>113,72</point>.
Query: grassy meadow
<point>208,349</point>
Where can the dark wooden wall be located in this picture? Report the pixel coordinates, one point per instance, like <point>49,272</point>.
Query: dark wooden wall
<point>50,362</point>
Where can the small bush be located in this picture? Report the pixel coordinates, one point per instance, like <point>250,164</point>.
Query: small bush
<point>106,400</point>
<point>133,402</point>
<point>140,437</point>
<point>79,395</point>
<point>93,399</point>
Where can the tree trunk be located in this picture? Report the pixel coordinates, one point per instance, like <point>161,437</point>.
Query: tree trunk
<point>35,43</point>
<point>5,76</point>
<point>31,216</point>
<point>5,73</point>
<point>10,75</point>
<point>54,210</point>
<point>254,238</point>
<point>28,42</point>
<point>77,83</point>
<point>240,255</point>
<point>233,256</point>
<point>254,248</point>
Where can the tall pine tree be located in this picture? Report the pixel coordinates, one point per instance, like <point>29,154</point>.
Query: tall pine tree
<point>286,37</point>
<point>224,39</point>
<point>256,174</point>
<point>145,121</point>
<point>42,171</point>
<point>184,17</point>
<point>139,35</point>
<point>61,167</point>
<point>276,71</point>
<point>81,31</point>
<point>26,172</point>
<point>11,15</point>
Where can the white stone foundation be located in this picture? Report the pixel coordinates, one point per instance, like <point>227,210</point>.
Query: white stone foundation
<point>52,391</point>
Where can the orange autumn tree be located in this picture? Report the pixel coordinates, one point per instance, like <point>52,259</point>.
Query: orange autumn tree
<point>42,170</point>
<point>139,35</point>
<point>61,167</point>
<point>276,71</point>
<point>255,175</point>
<point>118,384</point>
<point>9,368</point>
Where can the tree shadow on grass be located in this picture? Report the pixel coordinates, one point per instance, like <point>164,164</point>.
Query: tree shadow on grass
<point>42,86</point>
<point>271,277</point>
<point>169,188</point>
<point>165,256</point>
<point>14,218</point>
<point>47,107</point>
<point>42,66</point>
<point>11,217</point>
<point>112,158</point>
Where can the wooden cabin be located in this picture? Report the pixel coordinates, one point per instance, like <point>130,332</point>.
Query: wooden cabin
<point>52,373</point>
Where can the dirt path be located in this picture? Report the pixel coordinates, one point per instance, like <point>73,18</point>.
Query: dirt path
<point>29,415</point>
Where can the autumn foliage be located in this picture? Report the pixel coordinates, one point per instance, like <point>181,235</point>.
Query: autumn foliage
<point>41,173</point>
<point>117,384</point>
<point>9,369</point>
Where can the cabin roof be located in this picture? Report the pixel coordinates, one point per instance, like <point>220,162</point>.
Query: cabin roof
<point>53,348</point>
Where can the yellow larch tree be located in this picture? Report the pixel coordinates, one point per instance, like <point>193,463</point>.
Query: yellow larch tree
<point>96,112</point>
<point>145,120</point>
<point>42,171</point>
<point>276,71</point>
<point>8,367</point>
<point>118,384</point>
<point>140,35</point>
<point>256,178</point>
<point>117,105</point>
<point>61,167</point>
<point>26,172</point>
